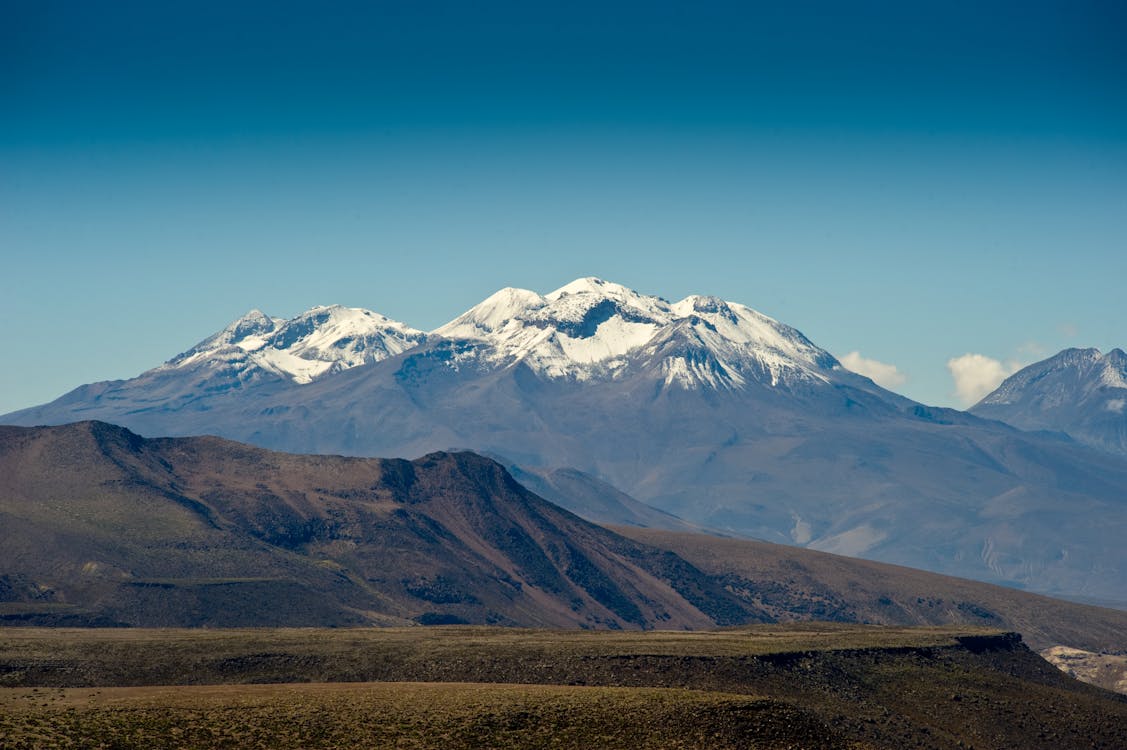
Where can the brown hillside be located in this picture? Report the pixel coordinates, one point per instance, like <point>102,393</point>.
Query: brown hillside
<point>791,583</point>
<point>104,527</point>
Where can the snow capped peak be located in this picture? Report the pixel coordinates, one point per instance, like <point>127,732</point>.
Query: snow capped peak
<point>701,304</point>
<point>586,293</point>
<point>253,319</point>
<point>593,328</point>
<point>592,285</point>
<point>1081,392</point>
<point>247,332</point>
<point>492,313</point>
<point>252,325</point>
<point>1071,373</point>
<point>316,342</point>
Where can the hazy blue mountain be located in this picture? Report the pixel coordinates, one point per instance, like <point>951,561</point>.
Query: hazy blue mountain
<point>1080,392</point>
<point>702,408</point>
<point>591,498</point>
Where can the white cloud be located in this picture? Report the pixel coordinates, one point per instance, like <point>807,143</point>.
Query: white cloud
<point>1116,405</point>
<point>881,373</point>
<point>977,375</point>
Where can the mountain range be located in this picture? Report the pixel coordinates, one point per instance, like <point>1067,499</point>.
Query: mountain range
<point>702,408</point>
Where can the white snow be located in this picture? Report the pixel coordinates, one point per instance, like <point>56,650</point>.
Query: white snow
<point>614,338</point>
<point>1112,377</point>
<point>288,364</point>
<point>491,313</point>
<point>302,349</point>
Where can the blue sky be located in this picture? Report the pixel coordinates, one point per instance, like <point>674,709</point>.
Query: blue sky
<point>909,181</point>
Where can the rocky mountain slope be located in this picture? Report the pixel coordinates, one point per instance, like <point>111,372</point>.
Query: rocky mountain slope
<point>1079,392</point>
<point>702,408</point>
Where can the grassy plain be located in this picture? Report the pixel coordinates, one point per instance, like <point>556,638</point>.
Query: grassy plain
<point>813,685</point>
<point>400,715</point>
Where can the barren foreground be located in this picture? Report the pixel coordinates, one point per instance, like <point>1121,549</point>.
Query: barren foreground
<point>806,686</point>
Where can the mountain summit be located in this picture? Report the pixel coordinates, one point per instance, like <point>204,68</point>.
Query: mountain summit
<point>318,342</point>
<point>1081,392</point>
<point>592,328</point>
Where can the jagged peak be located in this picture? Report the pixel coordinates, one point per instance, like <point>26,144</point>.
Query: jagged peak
<point>1082,367</point>
<point>320,340</point>
<point>252,315</point>
<point>254,322</point>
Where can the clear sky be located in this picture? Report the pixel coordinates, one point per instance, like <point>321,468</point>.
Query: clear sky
<point>908,181</point>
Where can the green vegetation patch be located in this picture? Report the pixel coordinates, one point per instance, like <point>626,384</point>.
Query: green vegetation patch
<point>401,715</point>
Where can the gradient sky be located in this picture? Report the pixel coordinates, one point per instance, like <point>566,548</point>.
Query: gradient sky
<point>910,181</point>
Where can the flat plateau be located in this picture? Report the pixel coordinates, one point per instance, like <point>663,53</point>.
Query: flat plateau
<point>811,685</point>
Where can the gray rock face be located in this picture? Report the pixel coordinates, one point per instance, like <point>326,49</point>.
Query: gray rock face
<point>704,409</point>
<point>1079,392</point>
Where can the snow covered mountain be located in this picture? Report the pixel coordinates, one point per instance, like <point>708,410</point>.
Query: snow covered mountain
<point>592,329</point>
<point>316,343</point>
<point>1081,392</point>
<point>703,408</point>
<point>253,356</point>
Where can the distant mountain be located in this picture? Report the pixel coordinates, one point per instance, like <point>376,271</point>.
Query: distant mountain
<point>703,408</point>
<point>255,354</point>
<point>595,500</point>
<point>316,343</point>
<point>103,527</point>
<point>1080,392</point>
